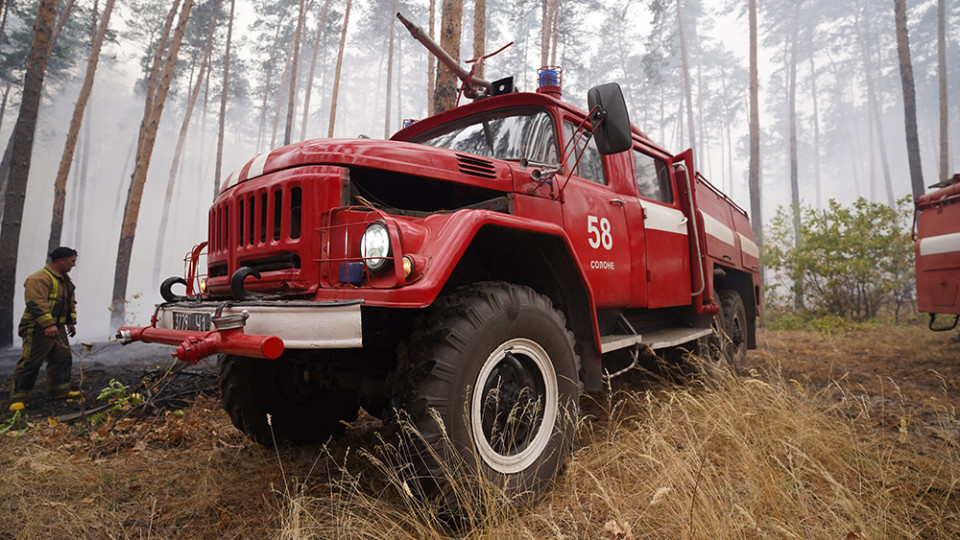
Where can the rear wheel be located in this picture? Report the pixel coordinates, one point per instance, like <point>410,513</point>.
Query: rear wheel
<point>490,380</point>
<point>733,339</point>
<point>299,411</point>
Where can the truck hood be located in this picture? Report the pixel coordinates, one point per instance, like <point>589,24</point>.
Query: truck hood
<point>396,156</point>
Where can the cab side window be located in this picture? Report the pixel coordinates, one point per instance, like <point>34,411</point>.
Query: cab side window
<point>590,166</point>
<point>653,177</point>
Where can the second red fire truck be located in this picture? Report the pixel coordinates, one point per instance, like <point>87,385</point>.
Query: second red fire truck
<point>938,252</point>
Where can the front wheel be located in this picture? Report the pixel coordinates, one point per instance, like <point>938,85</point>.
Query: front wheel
<point>490,380</point>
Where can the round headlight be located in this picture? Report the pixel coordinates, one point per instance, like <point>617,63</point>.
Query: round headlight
<point>375,246</point>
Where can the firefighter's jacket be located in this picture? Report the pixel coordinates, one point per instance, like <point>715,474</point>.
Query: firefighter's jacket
<point>49,298</point>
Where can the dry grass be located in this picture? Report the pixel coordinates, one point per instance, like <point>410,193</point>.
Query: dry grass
<point>780,453</point>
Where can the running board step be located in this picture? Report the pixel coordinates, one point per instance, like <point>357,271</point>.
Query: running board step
<point>657,339</point>
<point>616,342</point>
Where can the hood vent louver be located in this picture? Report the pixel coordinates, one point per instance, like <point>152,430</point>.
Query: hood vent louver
<point>476,167</point>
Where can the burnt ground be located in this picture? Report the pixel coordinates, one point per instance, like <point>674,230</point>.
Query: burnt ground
<point>898,371</point>
<point>95,367</point>
<point>898,367</point>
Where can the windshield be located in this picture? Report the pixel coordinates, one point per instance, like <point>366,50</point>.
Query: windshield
<point>509,135</point>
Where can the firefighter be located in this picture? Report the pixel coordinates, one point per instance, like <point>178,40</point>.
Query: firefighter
<point>49,317</point>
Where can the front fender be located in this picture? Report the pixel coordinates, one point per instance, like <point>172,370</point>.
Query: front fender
<point>443,240</point>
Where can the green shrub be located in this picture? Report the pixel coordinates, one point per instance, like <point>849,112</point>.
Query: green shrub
<point>853,263</point>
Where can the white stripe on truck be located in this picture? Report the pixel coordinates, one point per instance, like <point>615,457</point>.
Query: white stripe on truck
<point>716,229</point>
<point>945,243</point>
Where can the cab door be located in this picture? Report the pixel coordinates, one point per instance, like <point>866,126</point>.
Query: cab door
<point>594,217</point>
<point>665,229</point>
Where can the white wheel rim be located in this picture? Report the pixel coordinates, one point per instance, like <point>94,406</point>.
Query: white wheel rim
<point>534,355</point>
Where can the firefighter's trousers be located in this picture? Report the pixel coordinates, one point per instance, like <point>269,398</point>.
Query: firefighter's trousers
<point>37,347</point>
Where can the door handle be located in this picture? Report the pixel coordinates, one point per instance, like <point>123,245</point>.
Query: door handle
<point>684,220</point>
<point>617,202</point>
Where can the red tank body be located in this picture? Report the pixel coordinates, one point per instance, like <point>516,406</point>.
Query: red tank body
<point>937,249</point>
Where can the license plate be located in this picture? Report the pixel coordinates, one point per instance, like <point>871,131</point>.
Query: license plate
<point>191,320</point>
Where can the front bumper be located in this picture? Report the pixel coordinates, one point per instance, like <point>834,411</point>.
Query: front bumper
<point>254,328</point>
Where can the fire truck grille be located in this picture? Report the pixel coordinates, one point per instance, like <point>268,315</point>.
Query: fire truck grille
<point>476,167</point>
<point>252,221</point>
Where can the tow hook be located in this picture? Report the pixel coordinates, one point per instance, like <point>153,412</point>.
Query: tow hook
<point>236,283</point>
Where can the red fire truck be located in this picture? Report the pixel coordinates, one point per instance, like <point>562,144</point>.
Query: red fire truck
<point>937,251</point>
<point>474,274</point>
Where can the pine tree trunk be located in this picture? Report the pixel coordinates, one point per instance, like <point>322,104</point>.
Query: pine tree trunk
<point>203,164</point>
<point>726,127</point>
<point>816,134</point>
<point>445,97</point>
<point>21,154</point>
<point>702,149</point>
<point>152,78</point>
<point>794,167</point>
<point>909,99</point>
<point>266,88</point>
<point>554,31</point>
<point>5,161</point>
<point>336,77</point>
<point>313,64</point>
<point>181,139</point>
<point>479,34</point>
<point>83,163</point>
<point>3,101</point>
<point>871,171</point>
<point>792,123</point>
<point>148,102</point>
<point>547,15</point>
<point>378,87</point>
<point>294,64</point>
<point>399,85</point>
<point>127,165</point>
<point>663,113</point>
<point>756,188</point>
<point>726,144</point>
<point>686,78</point>
<point>942,80</point>
<point>390,21</point>
<point>284,85</point>
<point>544,32</point>
<point>131,211</point>
<point>223,104</point>
<point>431,61</point>
<point>81,184</point>
<point>4,10</point>
<point>678,126</point>
<point>66,160</point>
<point>61,21</point>
<point>874,104</point>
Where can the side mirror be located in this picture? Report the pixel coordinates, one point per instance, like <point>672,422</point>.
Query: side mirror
<point>609,118</point>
